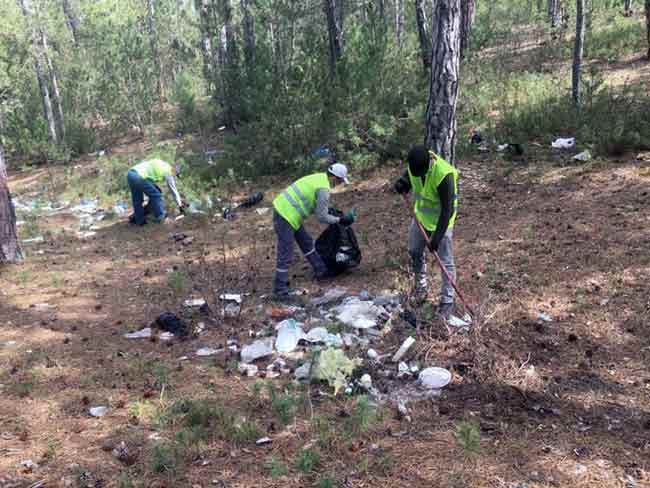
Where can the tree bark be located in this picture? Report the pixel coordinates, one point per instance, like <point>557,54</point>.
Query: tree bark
<point>72,19</point>
<point>628,8</point>
<point>335,34</point>
<point>578,50</point>
<point>382,11</point>
<point>39,67</point>
<point>647,24</point>
<point>206,43</point>
<point>10,251</point>
<point>399,21</point>
<point>248,28</point>
<point>468,14</point>
<point>153,43</point>
<point>553,9</point>
<point>58,101</point>
<point>423,34</point>
<point>443,91</point>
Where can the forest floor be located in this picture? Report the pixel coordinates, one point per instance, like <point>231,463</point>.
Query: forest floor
<point>564,402</point>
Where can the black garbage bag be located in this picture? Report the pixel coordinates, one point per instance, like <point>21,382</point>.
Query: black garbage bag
<point>170,322</point>
<point>251,201</point>
<point>338,247</point>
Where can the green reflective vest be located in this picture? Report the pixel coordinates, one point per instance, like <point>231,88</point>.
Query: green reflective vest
<point>155,170</point>
<point>427,201</point>
<point>298,201</point>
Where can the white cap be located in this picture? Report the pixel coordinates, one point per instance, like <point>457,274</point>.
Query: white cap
<point>339,170</point>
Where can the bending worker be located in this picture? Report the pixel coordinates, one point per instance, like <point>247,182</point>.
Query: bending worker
<point>434,183</point>
<point>310,194</point>
<point>144,179</point>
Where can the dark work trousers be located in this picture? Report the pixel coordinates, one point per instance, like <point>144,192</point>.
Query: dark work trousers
<point>286,236</point>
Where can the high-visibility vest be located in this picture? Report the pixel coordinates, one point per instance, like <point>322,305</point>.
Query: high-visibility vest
<point>155,170</point>
<point>298,201</point>
<point>427,200</point>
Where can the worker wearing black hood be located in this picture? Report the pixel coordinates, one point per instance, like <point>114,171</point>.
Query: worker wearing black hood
<point>434,183</point>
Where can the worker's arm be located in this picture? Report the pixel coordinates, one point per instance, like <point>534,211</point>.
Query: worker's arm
<point>322,208</point>
<point>171,184</point>
<point>403,184</point>
<point>447,194</point>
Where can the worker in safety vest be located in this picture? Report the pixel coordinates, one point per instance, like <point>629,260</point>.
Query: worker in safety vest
<point>308,195</point>
<point>434,183</point>
<point>143,179</point>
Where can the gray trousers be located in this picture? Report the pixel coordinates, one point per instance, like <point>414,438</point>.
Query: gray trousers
<point>286,237</point>
<point>417,247</point>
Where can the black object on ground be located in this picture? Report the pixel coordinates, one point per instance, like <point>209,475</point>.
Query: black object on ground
<point>170,322</point>
<point>409,317</point>
<point>338,247</point>
<point>251,201</point>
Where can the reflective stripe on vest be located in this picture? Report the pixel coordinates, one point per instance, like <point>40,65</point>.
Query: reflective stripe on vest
<point>298,201</point>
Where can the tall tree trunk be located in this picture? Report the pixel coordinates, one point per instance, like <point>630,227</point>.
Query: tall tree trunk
<point>468,14</point>
<point>40,69</point>
<point>335,34</point>
<point>578,50</point>
<point>58,101</point>
<point>628,8</point>
<point>340,14</point>
<point>399,21</point>
<point>228,51</point>
<point>206,43</point>
<point>72,19</point>
<point>647,24</point>
<point>248,28</point>
<point>553,11</point>
<point>153,44</point>
<point>10,251</point>
<point>382,10</point>
<point>443,92</point>
<point>423,34</point>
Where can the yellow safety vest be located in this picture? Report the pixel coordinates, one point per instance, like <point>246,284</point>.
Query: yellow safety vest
<point>155,170</point>
<point>298,201</point>
<point>427,200</point>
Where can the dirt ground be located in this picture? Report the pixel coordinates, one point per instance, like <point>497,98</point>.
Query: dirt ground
<point>557,403</point>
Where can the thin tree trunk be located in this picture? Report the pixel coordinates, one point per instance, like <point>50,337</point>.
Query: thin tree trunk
<point>39,67</point>
<point>468,14</point>
<point>628,8</point>
<point>72,19</point>
<point>58,101</point>
<point>399,21</point>
<point>578,50</point>
<point>10,251</point>
<point>335,34</point>
<point>647,24</point>
<point>229,63</point>
<point>382,11</point>
<point>443,92</point>
<point>248,27</point>
<point>423,34</point>
<point>340,14</point>
<point>553,9</point>
<point>153,43</point>
<point>206,44</point>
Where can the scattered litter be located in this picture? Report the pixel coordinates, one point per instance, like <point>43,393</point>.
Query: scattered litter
<point>170,322</point>
<point>231,297</point>
<point>141,334</point>
<point>302,372</point>
<point>262,210</point>
<point>208,351</point>
<point>434,378</point>
<point>321,152</point>
<point>232,310</point>
<point>194,302</point>
<point>281,313</point>
<point>98,411</point>
<point>372,354</point>
<point>386,298</point>
<point>330,295</point>
<point>249,370</point>
<point>476,137</point>
<point>406,345</point>
<point>86,235</point>
<point>33,240</point>
<point>29,465</point>
<point>561,143</point>
<point>580,469</point>
<point>256,350</point>
<point>403,370</point>
<point>545,317</point>
<point>335,367</point>
<point>483,148</point>
<point>166,336</point>
<point>120,209</point>
<point>289,334</point>
<point>459,323</point>
<point>359,314</point>
<point>409,317</point>
<point>583,156</point>
<point>366,381</point>
<point>321,334</point>
<point>502,147</point>
<point>351,339</point>
<point>263,441</point>
<point>414,368</point>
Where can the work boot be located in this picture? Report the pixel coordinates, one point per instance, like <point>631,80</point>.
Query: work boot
<point>421,289</point>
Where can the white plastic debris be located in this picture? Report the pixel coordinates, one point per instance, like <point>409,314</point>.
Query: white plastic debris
<point>583,156</point>
<point>263,441</point>
<point>434,378</point>
<point>406,345</point>
<point>166,336</point>
<point>414,368</point>
<point>194,302</point>
<point>502,147</point>
<point>86,235</point>
<point>321,334</point>
<point>249,370</point>
<point>98,411</point>
<point>403,370</point>
<point>231,297</point>
<point>141,334</point>
<point>231,310</point>
<point>372,354</point>
<point>359,314</point>
<point>341,257</point>
<point>120,209</point>
<point>566,143</point>
<point>258,349</point>
<point>459,323</point>
<point>289,334</point>
<point>208,351</point>
<point>544,317</point>
<point>330,295</point>
<point>262,210</point>
<point>366,381</point>
<point>302,372</point>
<point>33,240</point>
<point>28,464</point>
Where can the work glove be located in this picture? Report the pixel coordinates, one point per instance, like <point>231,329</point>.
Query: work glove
<point>434,243</point>
<point>401,186</point>
<point>348,219</point>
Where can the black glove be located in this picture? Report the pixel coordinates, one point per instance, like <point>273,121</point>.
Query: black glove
<point>401,186</point>
<point>346,220</point>
<point>434,243</point>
